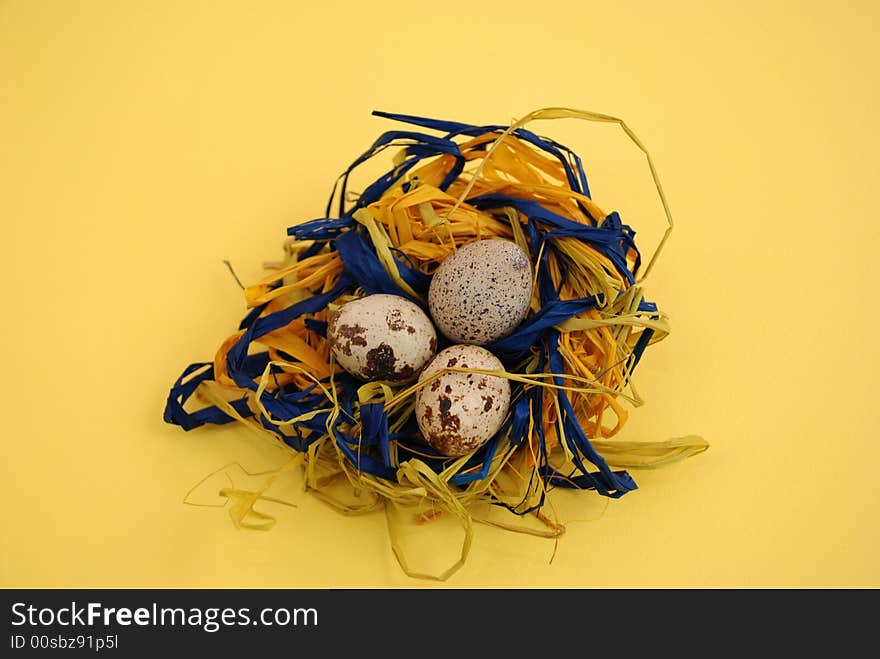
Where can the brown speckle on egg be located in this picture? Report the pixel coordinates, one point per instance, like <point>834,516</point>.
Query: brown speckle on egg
<point>343,336</point>
<point>380,363</point>
<point>395,321</point>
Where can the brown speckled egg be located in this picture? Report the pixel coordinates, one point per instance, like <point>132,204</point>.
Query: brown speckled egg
<point>481,292</point>
<point>382,338</point>
<point>459,412</point>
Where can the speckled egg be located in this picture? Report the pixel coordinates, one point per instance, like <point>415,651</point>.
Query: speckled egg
<point>459,412</point>
<point>481,292</point>
<point>382,338</point>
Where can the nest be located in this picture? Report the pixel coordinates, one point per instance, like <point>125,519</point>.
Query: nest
<point>570,363</point>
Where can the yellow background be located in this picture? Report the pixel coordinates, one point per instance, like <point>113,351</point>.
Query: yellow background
<point>143,142</point>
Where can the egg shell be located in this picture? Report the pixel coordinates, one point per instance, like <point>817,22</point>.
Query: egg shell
<point>481,292</point>
<point>382,338</point>
<point>459,412</point>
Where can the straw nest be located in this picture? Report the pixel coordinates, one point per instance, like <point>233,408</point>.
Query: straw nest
<point>570,363</point>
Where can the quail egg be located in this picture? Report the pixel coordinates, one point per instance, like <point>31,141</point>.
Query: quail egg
<point>481,292</point>
<point>459,412</point>
<point>382,338</point>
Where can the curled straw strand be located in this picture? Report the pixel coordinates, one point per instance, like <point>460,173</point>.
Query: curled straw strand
<point>569,113</point>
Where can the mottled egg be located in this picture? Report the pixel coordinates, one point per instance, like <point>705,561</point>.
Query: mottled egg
<point>459,412</point>
<point>382,338</point>
<point>481,292</point>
